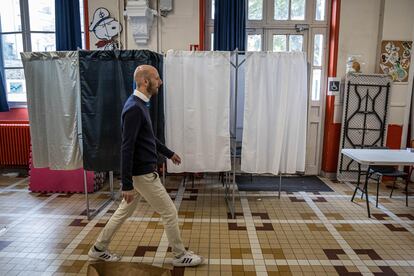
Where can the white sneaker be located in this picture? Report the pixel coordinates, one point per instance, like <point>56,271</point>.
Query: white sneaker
<point>104,255</point>
<point>188,259</point>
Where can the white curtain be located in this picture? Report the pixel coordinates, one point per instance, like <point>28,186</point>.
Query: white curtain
<point>53,90</point>
<point>275,113</point>
<point>197,107</point>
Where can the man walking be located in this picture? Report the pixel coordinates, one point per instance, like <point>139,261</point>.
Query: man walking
<point>138,168</point>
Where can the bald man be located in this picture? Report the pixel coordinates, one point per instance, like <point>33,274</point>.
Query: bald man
<point>138,168</point>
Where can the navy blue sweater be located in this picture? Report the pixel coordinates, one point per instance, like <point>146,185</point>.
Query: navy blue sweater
<point>139,144</point>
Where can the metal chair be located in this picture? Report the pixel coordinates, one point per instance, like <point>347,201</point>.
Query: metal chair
<point>377,172</point>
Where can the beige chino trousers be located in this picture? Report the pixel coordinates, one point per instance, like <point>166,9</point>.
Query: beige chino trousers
<point>150,188</point>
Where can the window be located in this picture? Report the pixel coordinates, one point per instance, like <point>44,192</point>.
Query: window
<point>255,10</point>
<point>287,43</point>
<point>281,10</point>
<point>254,42</point>
<point>295,43</point>
<point>317,63</point>
<point>320,10</point>
<point>289,9</point>
<point>279,43</point>
<point>212,9</point>
<point>209,31</point>
<point>26,26</point>
<point>24,32</point>
<point>279,25</point>
<point>82,19</point>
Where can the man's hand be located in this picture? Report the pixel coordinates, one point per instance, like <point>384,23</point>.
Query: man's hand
<point>128,196</point>
<point>176,159</point>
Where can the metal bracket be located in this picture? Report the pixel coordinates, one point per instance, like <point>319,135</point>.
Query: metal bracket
<point>89,213</point>
<point>301,27</point>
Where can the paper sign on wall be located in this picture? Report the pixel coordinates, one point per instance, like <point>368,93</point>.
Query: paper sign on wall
<point>334,86</point>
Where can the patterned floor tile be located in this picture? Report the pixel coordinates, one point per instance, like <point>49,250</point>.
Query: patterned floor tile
<point>298,234</point>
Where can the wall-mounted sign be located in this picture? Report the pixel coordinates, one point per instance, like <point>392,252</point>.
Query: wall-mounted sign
<point>334,86</point>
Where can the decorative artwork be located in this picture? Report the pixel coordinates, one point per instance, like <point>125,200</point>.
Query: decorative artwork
<point>16,86</point>
<point>106,29</point>
<point>395,59</point>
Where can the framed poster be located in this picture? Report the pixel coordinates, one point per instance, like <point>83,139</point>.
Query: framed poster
<point>395,59</point>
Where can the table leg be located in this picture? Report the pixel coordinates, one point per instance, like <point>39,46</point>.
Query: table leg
<point>359,180</point>
<point>366,191</point>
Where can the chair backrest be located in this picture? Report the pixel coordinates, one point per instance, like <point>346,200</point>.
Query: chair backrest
<point>379,168</point>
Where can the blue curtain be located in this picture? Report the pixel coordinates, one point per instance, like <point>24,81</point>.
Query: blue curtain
<point>3,99</point>
<point>230,25</point>
<point>68,27</point>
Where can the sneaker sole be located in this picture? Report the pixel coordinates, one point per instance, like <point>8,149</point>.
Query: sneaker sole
<point>103,259</point>
<point>189,265</point>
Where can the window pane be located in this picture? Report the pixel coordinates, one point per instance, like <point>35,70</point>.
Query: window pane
<point>12,46</point>
<point>281,9</point>
<point>42,15</point>
<point>254,42</point>
<point>320,10</point>
<point>213,6</point>
<point>83,40</point>
<point>318,50</point>
<point>316,84</point>
<point>295,43</point>
<point>255,10</point>
<point>297,10</point>
<point>82,18</point>
<point>15,85</point>
<point>279,43</point>
<point>10,16</point>
<point>43,42</point>
<point>81,15</point>
<point>212,42</point>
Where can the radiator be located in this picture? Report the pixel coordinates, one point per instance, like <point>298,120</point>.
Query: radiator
<point>14,144</point>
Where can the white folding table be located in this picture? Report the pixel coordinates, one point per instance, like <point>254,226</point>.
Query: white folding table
<point>377,157</point>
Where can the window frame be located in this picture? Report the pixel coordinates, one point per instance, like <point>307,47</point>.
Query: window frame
<point>324,63</point>
<point>26,34</point>
<point>268,21</point>
<point>209,26</point>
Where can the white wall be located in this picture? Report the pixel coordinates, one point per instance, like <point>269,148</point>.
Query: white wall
<point>359,30</point>
<point>398,20</point>
<point>399,25</point>
<point>358,34</point>
<point>177,30</point>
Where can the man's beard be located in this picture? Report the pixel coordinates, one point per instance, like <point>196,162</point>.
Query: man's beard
<point>152,88</point>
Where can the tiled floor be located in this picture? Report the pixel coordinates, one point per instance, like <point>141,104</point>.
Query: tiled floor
<point>298,234</point>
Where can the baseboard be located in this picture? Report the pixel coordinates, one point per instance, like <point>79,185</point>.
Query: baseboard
<point>329,175</point>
